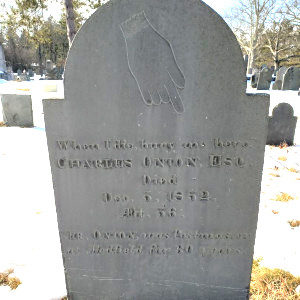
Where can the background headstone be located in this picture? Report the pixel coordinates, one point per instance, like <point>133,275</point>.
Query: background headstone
<point>263,66</point>
<point>264,79</point>
<point>246,59</point>
<point>17,110</point>
<point>49,65</point>
<point>30,73</point>
<point>254,79</point>
<point>2,60</point>
<point>277,85</point>
<point>10,73</point>
<point>156,162</point>
<point>291,79</point>
<point>279,77</point>
<point>282,125</point>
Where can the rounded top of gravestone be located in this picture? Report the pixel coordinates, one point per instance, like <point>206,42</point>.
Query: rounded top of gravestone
<point>280,73</point>
<point>155,53</point>
<point>266,70</point>
<point>283,110</point>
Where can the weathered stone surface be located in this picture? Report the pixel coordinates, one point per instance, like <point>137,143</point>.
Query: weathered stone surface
<point>246,59</point>
<point>49,65</point>
<point>17,110</point>
<point>282,125</point>
<point>2,60</point>
<point>277,85</point>
<point>264,79</point>
<point>279,77</point>
<point>254,79</point>
<point>30,73</point>
<point>156,155</point>
<point>291,79</point>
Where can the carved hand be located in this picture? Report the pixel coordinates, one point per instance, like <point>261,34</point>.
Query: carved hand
<point>152,62</point>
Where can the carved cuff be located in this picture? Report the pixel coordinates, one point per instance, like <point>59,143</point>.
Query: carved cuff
<point>134,24</point>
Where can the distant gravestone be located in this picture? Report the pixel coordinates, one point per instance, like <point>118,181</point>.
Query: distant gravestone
<point>263,66</point>
<point>279,77</point>
<point>282,125</point>
<point>254,79</point>
<point>17,110</point>
<point>277,85</point>
<point>246,59</point>
<point>49,65</point>
<point>2,60</point>
<point>24,77</point>
<point>264,79</point>
<point>156,163</point>
<point>30,73</point>
<point>291,79</point>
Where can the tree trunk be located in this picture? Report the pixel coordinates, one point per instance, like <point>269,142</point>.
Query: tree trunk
<point>40,59</point>
<point>277,64</point>
<point>70,20</point>
<point>252,61</point>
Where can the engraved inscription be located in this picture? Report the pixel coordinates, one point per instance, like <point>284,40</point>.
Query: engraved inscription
<point>160,195</point>
<point>109,163</point>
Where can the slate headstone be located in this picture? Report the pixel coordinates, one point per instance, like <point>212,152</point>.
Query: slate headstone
<point>246,59</point>
<point>2,60</point>
<point>17,110</point>
<point>279,77</point>
<point>49,65</point>
<point>277,85</point>
<point>280,73</point>
<point>263,66</point>
<point>156,163</point>
<point>254,79</point>
<point>291,79</point>
<point>30,73</point>
<point>264,79</point>
<point>282,125</point>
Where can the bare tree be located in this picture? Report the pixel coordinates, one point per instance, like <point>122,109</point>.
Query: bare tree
<point>293,11</point>
<point>282,41</point>
<point>70,14</point>
<point>248,20</point>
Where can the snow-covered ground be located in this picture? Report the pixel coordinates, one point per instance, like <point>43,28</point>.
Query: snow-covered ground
<point>29,234</point>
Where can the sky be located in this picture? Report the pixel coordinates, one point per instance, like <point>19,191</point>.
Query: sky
<point>220,6</point>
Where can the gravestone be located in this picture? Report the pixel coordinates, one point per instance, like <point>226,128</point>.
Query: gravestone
<point>10,73</point>
<point>246,59</point>
<point>17,110</point>
<point>291,79</point>
<point>277,85</point>
<point>264,79</point>
<point>282,125</point>
<point>263,66</point>
<point>156,162</point>
<point>254,79</point>
<point>2,60</point>
<point>30,73</point>
<point>24,77</point>
<point>279,77</point>
<point>49,65</point>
